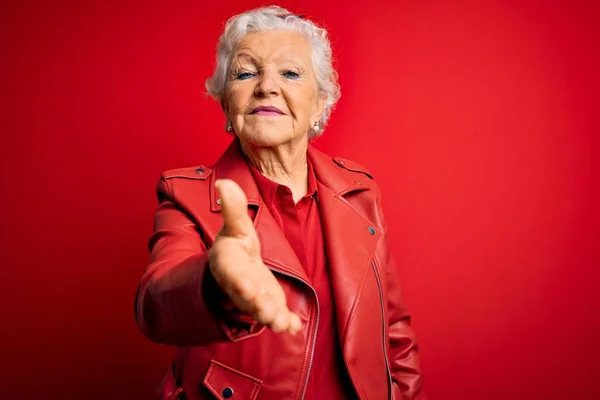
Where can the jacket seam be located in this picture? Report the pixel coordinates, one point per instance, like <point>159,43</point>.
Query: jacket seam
<point>169,189</point>
<point>355,304</point>
<point>357,211</point>
<point>300,383</point>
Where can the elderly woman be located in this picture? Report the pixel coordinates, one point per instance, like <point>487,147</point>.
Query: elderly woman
<point>271,271</point>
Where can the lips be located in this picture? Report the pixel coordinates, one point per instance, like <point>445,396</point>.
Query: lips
<point>267,110</point>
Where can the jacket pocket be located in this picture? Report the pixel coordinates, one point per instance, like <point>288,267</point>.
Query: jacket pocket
<point>225,383</point>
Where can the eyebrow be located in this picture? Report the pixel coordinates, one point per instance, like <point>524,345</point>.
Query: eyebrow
<point>244,54</point>
<point>294,61</point>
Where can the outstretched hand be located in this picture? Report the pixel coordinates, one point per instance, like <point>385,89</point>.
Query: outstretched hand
<point>236,264</point>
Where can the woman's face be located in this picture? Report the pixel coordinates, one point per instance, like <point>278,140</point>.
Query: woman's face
<point>271,96</point>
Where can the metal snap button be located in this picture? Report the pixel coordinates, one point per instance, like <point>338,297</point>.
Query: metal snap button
<point>227,393</point>
<point>219,201</point>
<point>200,171</point>
<point>371,230</point>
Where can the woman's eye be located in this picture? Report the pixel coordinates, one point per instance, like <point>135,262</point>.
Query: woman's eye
<point>244,75</point>
<point>291,75</point>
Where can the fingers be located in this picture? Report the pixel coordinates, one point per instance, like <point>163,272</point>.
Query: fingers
<point>295,324</point>
<point>234,209</point>
<point>276,316</point>
<point>267,309</point>
<point>261,296</point>
<point>286,322</point>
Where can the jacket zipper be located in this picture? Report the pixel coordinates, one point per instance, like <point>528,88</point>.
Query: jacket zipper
<point>385,339</point>
<point>314,338</point>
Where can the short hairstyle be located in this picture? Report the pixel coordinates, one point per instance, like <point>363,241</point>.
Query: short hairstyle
<point>277,18</point>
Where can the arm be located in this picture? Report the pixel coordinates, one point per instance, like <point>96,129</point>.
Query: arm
<point>178,301</point>
<point>403,351</point>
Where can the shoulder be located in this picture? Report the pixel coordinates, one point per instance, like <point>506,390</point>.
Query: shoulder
<point>357,173</point>
<point>180,176</point>
<point>342,174</point>
<point>198,172</point>
<point>361,190</point>
<point>352,166</point>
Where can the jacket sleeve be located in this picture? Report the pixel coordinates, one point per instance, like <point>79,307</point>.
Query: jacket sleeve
<point>178,302</point>
<point>403,350</point>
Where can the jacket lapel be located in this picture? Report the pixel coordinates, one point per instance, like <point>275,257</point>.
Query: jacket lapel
<point>276,251</point>
<point>350,237</point>
<point>350,247</point>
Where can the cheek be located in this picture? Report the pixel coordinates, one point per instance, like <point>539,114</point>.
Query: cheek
<point>304,104</point>
<point>236,100</point>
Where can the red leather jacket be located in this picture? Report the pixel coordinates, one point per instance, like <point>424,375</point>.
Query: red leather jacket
<point>222,355</point>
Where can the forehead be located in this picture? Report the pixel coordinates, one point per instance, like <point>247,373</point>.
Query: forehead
<point>274,46</point>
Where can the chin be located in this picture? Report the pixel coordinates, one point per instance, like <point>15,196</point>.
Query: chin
<point>266,137</point>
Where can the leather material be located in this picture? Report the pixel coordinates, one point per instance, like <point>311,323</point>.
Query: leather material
<point>224,382</point>
<point>179,304</point>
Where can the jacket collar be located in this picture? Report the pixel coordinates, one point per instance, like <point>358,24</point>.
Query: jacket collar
<point>233,165</point>
<point>269,189</point>
<point>330,173</point>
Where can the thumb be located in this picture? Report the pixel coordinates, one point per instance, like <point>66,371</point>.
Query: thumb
<point>234,208</point>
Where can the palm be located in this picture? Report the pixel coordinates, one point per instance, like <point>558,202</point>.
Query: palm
<point>236,264</point>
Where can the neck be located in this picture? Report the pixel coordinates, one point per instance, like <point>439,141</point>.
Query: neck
<point>286,165</point>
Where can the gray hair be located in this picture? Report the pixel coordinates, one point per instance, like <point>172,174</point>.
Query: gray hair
<point>278,18</point>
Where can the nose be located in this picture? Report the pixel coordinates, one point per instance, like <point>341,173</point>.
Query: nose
<point>268,84</point>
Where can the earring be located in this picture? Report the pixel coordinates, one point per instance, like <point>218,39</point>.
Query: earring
<point>229,127</point>
<point>316,127</point>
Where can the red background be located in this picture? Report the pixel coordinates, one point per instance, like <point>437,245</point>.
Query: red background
<point>479,120</point>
